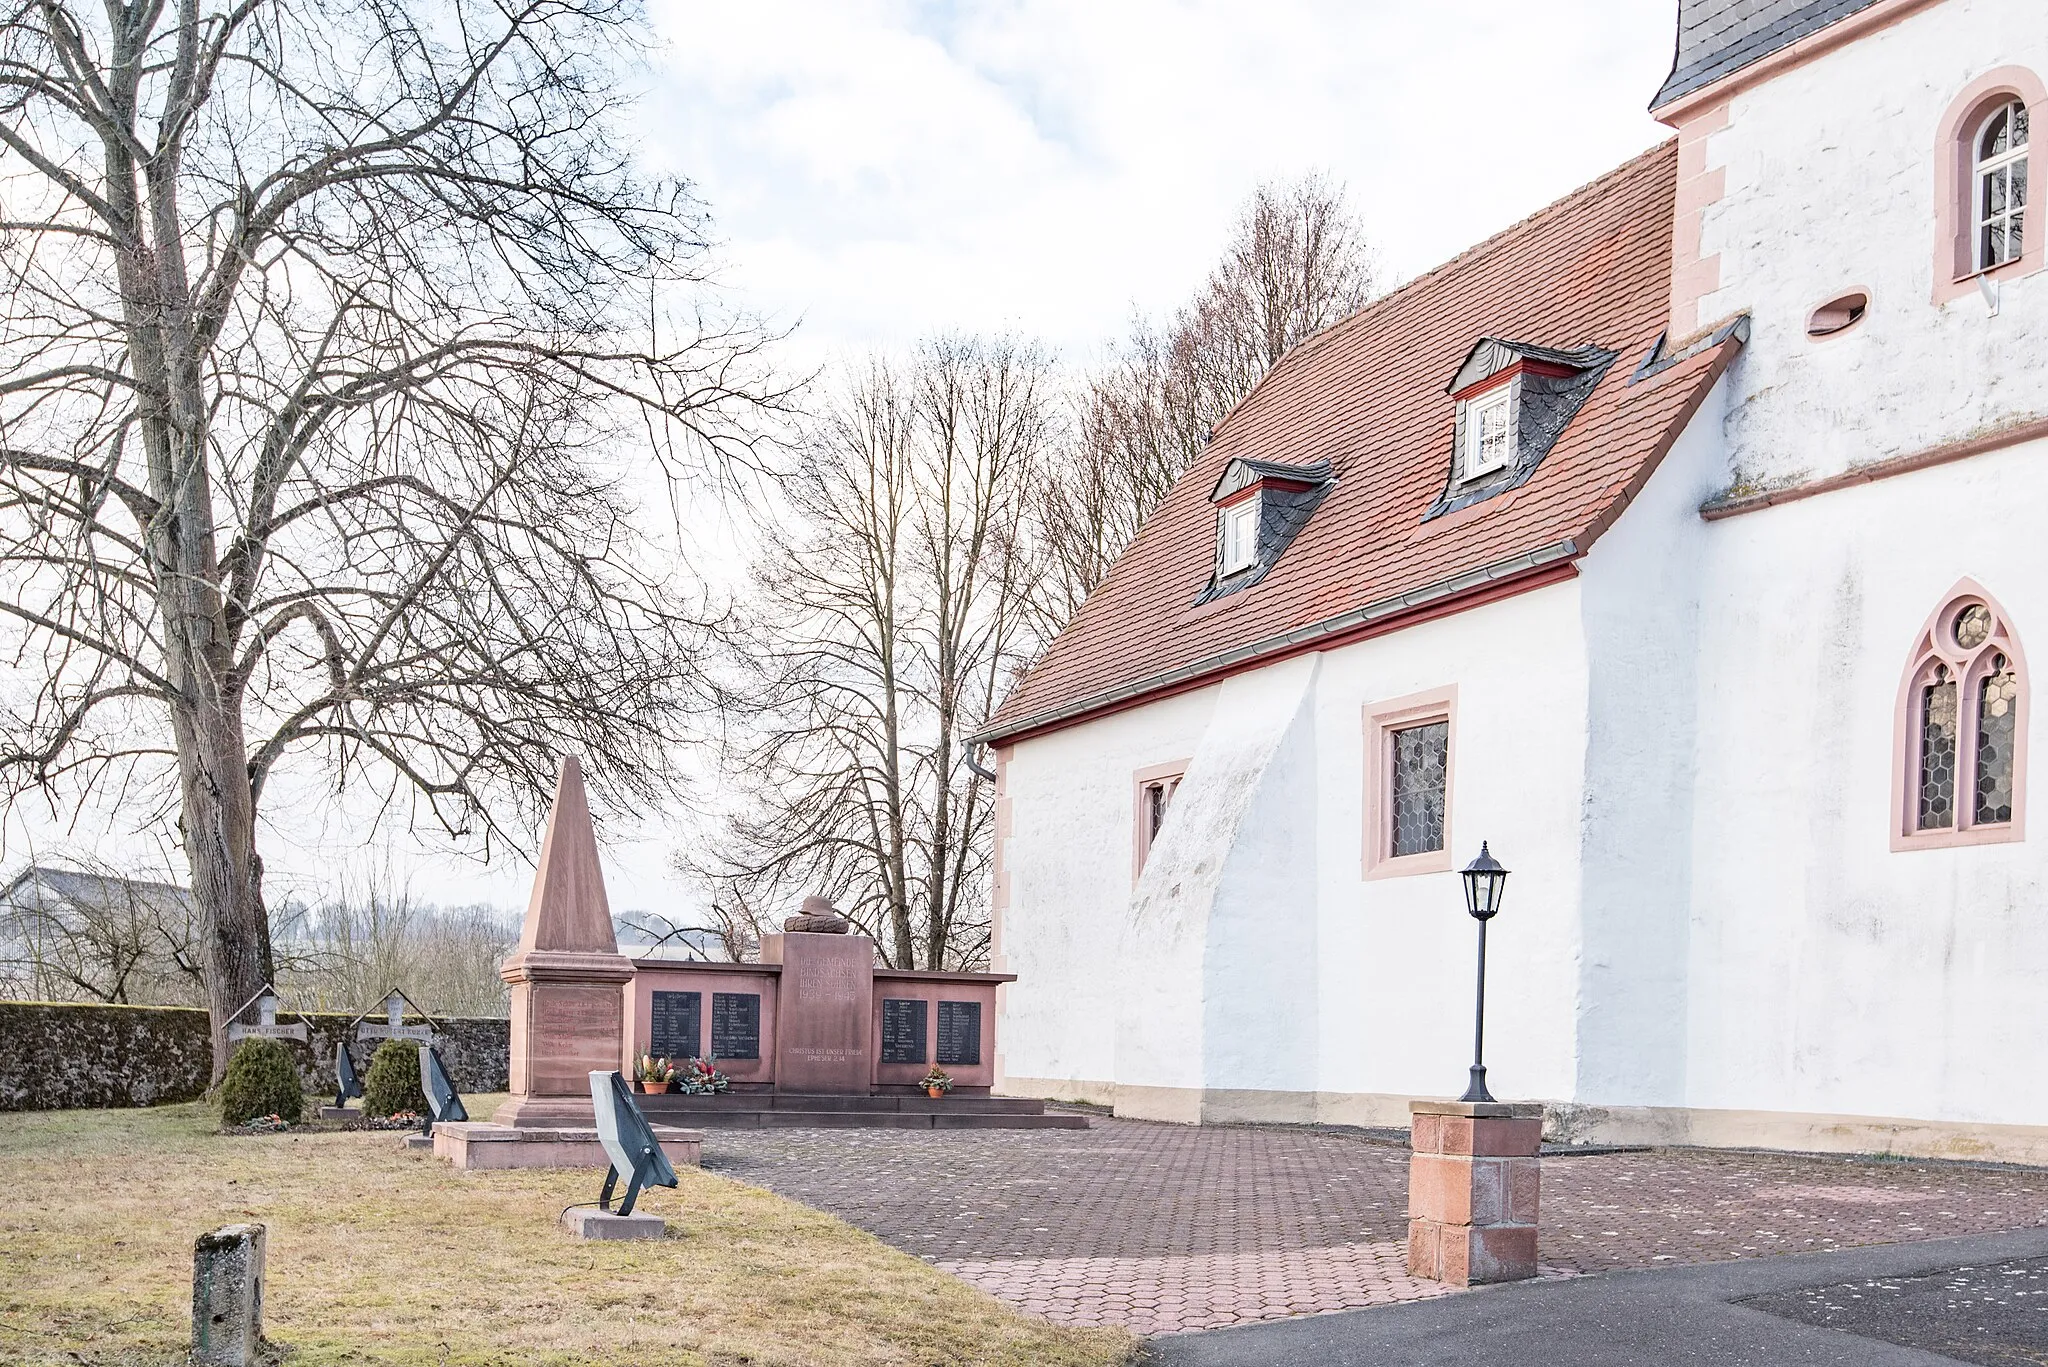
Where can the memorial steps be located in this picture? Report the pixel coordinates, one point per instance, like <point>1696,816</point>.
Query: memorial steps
<point>886,1110</point>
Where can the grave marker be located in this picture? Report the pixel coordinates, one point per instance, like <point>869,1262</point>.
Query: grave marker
<point>394,1026</point>
<point>227,1297</point>
<point>266,1026</point>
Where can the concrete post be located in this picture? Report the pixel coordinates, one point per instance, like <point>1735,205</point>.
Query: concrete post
<point>1473,1180</point>
<point>227,1297</point>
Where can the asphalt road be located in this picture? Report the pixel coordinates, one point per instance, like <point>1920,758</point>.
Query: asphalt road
<point>1985,1297</point>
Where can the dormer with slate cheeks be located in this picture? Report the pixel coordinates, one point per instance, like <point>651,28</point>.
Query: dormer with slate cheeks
<point>1260,505</point>
<point>1514,400</point>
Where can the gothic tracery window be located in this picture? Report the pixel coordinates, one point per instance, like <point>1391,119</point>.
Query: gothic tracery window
<point>1962,729</point>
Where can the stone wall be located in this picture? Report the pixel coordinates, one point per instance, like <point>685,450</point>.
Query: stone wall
<point>55,1056</point>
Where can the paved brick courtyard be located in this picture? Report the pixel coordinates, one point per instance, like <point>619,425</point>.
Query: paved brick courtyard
<point>1162,1228</point>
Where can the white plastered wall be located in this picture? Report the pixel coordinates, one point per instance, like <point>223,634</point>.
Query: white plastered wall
<point>1255,972</point>
<point>1830,185</point>
<point>1831,975</point>
<point>1640,594</point>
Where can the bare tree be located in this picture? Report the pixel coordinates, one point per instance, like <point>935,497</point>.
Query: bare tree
<point>1297,261</point>
<point>329,324</point>
<point>888,615</point>
<point>345,952</point>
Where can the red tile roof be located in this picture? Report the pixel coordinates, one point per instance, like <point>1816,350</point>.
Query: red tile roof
<point>1368,396</point>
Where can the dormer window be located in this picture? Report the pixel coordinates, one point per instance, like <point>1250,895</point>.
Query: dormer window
<point>1240,533</point>
<point>1512,402</point>
<point>1260,505</point>
<point>1489,432</point>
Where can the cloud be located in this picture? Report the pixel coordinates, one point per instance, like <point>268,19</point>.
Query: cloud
<point>886,170</point>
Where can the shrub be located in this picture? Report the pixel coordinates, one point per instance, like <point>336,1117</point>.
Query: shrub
<point>393,1082</point>
<point>261,1080</point>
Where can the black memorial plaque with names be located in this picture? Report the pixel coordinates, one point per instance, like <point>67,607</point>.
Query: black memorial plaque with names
<point>676,1022</point>
<point>903,1030</point>
<point>736,1025</point>
<point>959,1032</point>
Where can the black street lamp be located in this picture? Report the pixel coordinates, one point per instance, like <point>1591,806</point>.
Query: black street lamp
<point>1485,882</point>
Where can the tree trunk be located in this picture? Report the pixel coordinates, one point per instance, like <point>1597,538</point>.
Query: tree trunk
<point>219,818</point>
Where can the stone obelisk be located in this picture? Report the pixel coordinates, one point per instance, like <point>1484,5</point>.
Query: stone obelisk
<point>568,977</point>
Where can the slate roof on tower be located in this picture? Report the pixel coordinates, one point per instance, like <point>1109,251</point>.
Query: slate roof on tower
<point>1717,37</point>
<point>1367,395</point>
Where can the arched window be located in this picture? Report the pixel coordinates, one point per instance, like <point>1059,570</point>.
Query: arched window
<point>1962,745</point>
<point>1986,164</point>
<point>2001,186</point>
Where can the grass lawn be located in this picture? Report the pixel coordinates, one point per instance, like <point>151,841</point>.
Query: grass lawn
<point>382,1256</point>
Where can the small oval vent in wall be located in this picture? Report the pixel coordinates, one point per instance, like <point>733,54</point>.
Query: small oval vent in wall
<point>1838,315</point>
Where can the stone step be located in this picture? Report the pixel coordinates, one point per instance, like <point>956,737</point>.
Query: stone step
<point>885,1103</point>
<point>882,1120</point>
<point>755,1110</point>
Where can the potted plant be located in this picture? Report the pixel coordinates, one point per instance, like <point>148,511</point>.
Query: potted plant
<point>936,1083</point>
<point>700,1077</point>
<point>653,1074</point>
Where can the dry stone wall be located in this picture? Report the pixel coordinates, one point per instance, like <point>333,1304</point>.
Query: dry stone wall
<point>62,1055</point>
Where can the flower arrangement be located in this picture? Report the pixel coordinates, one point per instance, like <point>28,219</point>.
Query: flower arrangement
<point>265,1124</point>
<point>700,1077</point>
<point>397,1120</point>
<point>937,1082</point>
<point>654,1071</point>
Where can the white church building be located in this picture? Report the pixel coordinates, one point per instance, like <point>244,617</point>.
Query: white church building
<point>1683,542</point>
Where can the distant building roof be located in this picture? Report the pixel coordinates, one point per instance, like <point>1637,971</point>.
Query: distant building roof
<point>41,884</point>
<point>1717,37</point>
<point>1367,395</point>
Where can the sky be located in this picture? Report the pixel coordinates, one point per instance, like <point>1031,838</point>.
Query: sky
<point>880,171</point>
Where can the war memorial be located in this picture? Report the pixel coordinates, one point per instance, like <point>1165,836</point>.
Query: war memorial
<point>813,1034</point>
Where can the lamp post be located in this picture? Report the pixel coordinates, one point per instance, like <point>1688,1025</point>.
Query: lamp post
<point>1485,882</point>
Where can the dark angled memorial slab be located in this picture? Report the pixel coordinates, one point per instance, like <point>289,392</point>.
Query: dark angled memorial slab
<point>631,1152</point>
<point>444,1103</point>
<point>346,1083</point>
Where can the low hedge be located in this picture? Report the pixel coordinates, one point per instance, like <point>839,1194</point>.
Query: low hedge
<point>261,1080</point>
<point>393,1082</point>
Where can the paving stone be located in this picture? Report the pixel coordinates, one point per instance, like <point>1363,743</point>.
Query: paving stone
<point>1167,1228</point>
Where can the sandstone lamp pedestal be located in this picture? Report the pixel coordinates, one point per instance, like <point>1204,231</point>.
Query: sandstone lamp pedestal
<point>1473,1181</point>
<point>568,978</point>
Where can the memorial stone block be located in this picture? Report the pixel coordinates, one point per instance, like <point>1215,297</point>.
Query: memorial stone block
<point>824,1012</point>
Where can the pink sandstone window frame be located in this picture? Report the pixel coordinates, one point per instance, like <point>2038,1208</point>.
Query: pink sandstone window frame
<point>1936,645</point>
<point>1173,771</point>
<point>1955,163</point>
<point>1382,720</point>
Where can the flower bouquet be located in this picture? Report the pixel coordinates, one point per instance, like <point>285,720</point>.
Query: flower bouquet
<point>700,1077</point>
